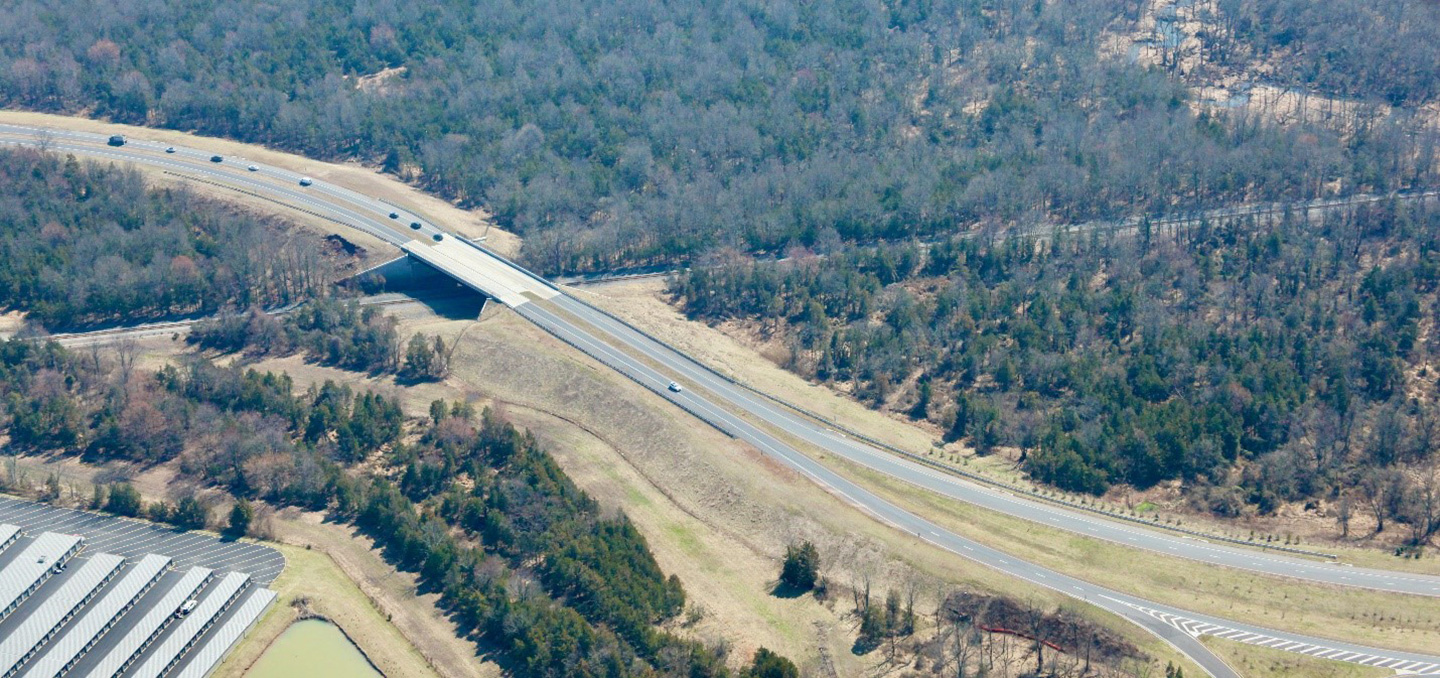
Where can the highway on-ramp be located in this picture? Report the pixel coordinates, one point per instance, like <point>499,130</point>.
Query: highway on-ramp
<point>753,418</point>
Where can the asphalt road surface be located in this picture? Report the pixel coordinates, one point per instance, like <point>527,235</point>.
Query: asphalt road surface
<point>654,366</point>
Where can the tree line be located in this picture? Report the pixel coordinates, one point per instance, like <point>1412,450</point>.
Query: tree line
<point>654,131</point>
<point>85,244</point>
<point>522,558</point>
<point>1259,362</point>
<point>332,331</point>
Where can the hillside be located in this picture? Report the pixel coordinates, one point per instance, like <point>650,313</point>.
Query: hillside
<point>85,244</point>
<point>1259,363</point>
<point>615,135</point>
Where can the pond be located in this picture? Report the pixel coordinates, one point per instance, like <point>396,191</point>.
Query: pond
<point>315,649</point>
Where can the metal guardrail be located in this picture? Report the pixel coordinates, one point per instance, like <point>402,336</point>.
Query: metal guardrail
<point>969,475</point>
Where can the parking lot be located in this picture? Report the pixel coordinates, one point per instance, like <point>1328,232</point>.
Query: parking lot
<point>132,538</point>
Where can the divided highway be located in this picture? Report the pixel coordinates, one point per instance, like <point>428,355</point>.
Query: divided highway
<point>751,418</point>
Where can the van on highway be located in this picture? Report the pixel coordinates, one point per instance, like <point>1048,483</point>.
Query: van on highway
<point>116,140</point>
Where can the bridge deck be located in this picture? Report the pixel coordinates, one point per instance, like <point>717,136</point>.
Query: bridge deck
<point>479,270</point>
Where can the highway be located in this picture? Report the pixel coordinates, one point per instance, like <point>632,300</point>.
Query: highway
<point>759,421</point>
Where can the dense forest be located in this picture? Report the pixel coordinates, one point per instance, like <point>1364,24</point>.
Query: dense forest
<point>621,134</point>
<point>84,244</point>
<point>1260,363</point>
<point>1383,50</point>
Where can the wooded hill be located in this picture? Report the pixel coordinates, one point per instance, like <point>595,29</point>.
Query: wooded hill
<point>84,244</point>
<point>1260,363</point>
<point>641,131</point>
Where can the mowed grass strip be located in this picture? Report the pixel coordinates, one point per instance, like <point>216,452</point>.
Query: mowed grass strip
<point>1253,661</point>
<point>736,351</point>
<point>1357,615</point>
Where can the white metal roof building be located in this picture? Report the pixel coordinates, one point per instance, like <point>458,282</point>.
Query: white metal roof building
<point>208,657</point>
<point>65,651</point>
<point>173,647</point>
<point>33,566</point>
<point>8,535</point>
<point>25,640</point>
<point>140,634</point>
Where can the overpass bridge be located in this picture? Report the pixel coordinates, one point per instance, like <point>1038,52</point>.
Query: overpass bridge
<point>749,416</point>
<point>480,269</point>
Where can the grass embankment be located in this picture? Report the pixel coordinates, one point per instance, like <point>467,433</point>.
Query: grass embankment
<point>716,512</point>
<point>360,178</point>
<point>320,586</point>
<point>1357,615</point>
<point>739,352</point>
<point>1380,619</point>
<point>1253,661</point>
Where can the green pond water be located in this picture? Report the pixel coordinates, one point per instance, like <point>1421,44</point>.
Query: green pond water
<point>313,649</point>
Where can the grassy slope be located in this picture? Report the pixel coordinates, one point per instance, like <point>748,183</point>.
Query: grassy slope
<point>1376,618</point>
<point>1262,662</point>
<point>312,575</point>
<point>736,352</point>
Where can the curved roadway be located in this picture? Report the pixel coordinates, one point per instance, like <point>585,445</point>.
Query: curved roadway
<point>601,336</point>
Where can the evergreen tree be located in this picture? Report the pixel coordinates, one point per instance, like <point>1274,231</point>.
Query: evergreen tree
<point>767,664</point>
<point>241,515</point>
<point>124,500</point>
<point>190,514</point>
<point>801,569</point>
